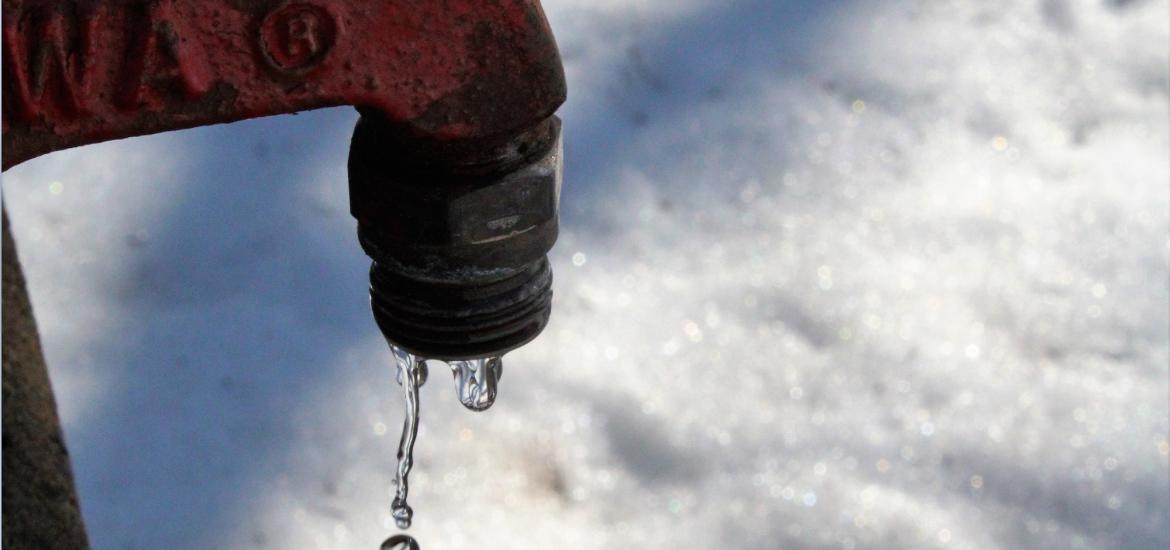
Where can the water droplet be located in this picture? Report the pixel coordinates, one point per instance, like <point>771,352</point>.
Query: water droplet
<point>411,374</point>
<point>475,381</point>
<point>402,513</point>
<point>400,542</point>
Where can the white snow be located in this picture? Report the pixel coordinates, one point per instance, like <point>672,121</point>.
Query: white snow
<point>833,274</point>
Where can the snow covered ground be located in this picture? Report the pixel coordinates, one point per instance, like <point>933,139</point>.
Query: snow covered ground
<point>833,274</point>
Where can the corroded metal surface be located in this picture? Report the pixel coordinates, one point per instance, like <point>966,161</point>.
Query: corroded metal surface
<point>83,71</point>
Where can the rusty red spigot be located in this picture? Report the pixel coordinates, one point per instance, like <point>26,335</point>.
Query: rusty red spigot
<point>449,71</point>
<point>454,165</point>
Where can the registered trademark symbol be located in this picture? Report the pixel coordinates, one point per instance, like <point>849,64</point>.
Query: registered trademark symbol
<point>297,36</point>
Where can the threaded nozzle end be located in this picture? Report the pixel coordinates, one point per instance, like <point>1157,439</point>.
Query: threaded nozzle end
<point>475,317</point>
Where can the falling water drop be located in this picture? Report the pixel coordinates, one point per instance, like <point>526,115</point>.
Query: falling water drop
<point>411,374</point>
<point>475,381</point>
<point>400,542</point>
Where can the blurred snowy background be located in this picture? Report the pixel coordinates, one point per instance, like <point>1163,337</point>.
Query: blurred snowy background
<point>833,274</point>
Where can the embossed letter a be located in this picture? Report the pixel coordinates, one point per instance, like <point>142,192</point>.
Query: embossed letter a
<point>160,59</point>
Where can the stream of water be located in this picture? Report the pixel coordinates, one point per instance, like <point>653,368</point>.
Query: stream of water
<point>475,386</point>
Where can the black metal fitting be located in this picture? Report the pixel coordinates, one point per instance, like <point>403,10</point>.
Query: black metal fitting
<point>458,234</point>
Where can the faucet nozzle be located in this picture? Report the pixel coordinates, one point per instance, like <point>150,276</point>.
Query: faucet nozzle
<point>458,234</point>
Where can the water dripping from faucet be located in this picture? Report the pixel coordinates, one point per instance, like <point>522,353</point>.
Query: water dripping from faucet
<point>476,383</point>
<point>411,374</point>
<point>476,380</point>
